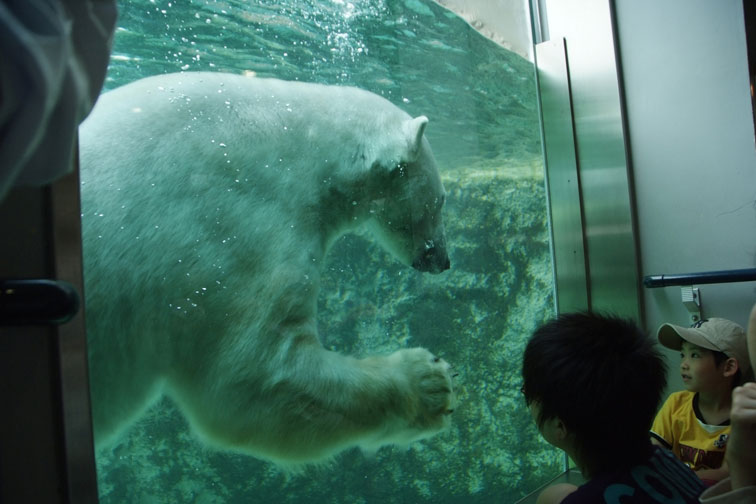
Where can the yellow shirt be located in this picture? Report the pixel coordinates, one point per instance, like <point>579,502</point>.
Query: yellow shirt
<point>678,426</point>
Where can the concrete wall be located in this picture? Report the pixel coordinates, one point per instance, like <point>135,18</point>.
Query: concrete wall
<point>691,145</point>
<point>506,22</point>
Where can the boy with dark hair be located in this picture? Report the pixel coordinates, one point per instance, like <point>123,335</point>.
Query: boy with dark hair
<point>695,423</point>
<point>593,384</point>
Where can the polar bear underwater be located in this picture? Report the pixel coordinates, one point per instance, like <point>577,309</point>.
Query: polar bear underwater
<point>209,202</point>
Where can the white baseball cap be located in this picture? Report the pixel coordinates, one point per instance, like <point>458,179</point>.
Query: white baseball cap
<point>718,334</point>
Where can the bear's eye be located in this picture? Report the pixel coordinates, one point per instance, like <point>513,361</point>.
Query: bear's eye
<point>440,201</point>
<point>401,225</point>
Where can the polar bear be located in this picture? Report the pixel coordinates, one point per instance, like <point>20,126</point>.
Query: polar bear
<point>209,201</point>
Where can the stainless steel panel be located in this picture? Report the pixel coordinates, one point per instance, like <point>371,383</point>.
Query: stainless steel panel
<point>563,183</point>
<point>605,191</point>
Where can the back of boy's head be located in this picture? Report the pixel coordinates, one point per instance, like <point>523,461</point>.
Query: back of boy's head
<point>603,378</point>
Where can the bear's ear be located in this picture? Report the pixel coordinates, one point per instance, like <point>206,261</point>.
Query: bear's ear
<point>413,130</point>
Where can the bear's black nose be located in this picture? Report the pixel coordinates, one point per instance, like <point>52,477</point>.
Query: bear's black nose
<point>432,260</point>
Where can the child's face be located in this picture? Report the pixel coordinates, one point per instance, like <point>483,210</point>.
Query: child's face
<point>698,369</point>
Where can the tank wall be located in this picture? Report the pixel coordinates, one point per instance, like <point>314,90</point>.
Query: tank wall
<point>480,99</point>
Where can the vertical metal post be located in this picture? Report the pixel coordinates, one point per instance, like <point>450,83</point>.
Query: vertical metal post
<point>46,447</point>
<point>562,178</point>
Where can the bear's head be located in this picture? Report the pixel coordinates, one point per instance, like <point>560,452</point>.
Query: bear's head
<point>406,215</point>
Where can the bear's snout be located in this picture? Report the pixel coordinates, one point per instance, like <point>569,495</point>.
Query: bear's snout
<point>432,259</point>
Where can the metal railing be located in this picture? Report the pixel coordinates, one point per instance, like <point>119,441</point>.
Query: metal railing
<point>707,277</point>
<point>37,302</point>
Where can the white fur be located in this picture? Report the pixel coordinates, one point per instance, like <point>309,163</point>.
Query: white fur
<point>209,202</point>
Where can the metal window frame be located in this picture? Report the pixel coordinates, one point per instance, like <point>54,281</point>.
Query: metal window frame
<point>45,430</point>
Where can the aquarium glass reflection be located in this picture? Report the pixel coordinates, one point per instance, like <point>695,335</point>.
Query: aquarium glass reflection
<point>480,99</point>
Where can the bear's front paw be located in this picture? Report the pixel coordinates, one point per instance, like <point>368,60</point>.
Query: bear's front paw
<point>429,391</point>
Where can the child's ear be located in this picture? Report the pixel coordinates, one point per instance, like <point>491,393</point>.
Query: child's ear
<point>730,367</point>
<point>558,429</point>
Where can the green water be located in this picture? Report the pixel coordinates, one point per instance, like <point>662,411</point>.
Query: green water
<point>480,99</point>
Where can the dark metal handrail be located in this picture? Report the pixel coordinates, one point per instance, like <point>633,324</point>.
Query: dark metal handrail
<point>37,302</point>
<point>707,277</point>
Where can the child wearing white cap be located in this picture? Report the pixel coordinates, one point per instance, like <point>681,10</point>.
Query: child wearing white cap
<point>695,423</point>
